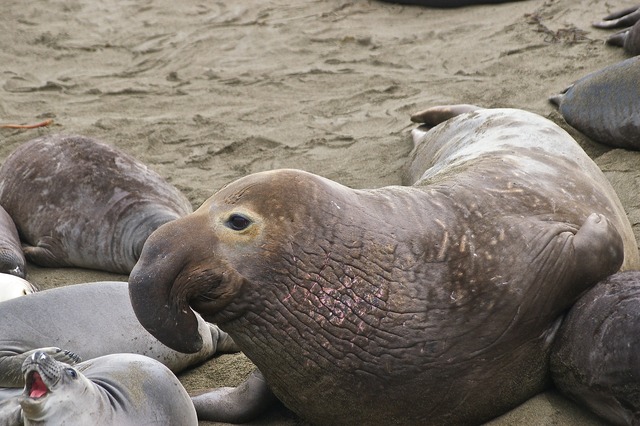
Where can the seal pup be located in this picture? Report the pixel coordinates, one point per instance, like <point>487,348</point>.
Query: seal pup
<point>117,389</point>
<point>91,205</point>
<point>434,303</point>
<point>12,287</point>
<point>92,320</point>
<point>605,105</point>
<point>596,357</point>
<point>629,38</point>
<point>12,259</point>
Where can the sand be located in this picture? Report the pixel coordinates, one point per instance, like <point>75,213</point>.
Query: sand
<point>205,92</point>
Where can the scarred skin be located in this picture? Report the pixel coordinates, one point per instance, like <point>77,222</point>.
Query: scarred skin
<point>596,358</point>
<point>434,303</point>
<point>89,205</point>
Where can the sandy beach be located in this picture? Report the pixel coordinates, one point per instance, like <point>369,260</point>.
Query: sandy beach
<point>205,92</point>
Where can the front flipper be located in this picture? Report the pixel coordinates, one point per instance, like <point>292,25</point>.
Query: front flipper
<point>48,252</point>
<point>11,364</point>
<point>622,18</point>
<point>235,405</point>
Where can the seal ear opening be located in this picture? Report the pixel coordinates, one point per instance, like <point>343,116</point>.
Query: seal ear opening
<point>175,327</point>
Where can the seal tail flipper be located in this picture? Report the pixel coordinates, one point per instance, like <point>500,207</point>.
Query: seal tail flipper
<point>557,99</point>
<point>224,343</point>
<point>435,115</point>
<point>618,39</point>
<point>622,18</point>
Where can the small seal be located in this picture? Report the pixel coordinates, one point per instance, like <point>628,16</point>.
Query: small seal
<point>629,38</point>
<point>604,105</point>
<point>596,357</point>
<point>119,389</point>
<point>92,319</point>
<point>431,303</point>
<point>90,205</point>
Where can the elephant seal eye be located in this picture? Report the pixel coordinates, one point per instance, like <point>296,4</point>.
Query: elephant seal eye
<point>72,373</point>
<point>237,222</point>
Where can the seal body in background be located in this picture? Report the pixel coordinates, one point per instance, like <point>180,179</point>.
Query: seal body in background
<point>78,202</point>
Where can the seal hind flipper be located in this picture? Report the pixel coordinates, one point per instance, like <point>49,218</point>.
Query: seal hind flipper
<point>435,115</point>
<point>619,38</point>
<point>11,364</point>
<point>47,252</point>
<point>621,18</point>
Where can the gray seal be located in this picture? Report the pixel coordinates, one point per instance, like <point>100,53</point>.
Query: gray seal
<point>91,320</point>
<point>629,38</point>
<point>90,205</point>
<point>432,303</point>
<point>596,357</point>
<point>604,104</point>
<point>448,3</point>
<point>118,389</point>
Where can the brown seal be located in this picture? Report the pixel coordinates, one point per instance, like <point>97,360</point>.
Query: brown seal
<point>435,303</point>
<point>90,205</point>
<point>596,357</point>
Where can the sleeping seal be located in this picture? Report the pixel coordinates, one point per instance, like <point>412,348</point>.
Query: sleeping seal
<point>432,303</point>
<point>90,205</point>
<point>605,105</point>
<point>91,320</point>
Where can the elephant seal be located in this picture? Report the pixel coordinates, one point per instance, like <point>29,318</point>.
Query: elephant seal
<point>90,205</point>
<point>434,303</point>
<point>596,357</point>
<point>12,287</point>
<point>605,106</point>
<point>12,259</point>
<point>629,38</point>
<point>117,389</point>
<point>92,320</point>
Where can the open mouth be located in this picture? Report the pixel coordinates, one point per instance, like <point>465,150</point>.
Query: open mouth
<point>35,386</point>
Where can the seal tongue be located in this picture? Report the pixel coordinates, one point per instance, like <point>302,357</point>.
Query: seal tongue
<point>38,388</point>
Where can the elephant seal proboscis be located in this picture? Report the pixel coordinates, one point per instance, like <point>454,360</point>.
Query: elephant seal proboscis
<point>92,320</point>
<point>629,38</point>
<point>596,357</point>
<point>117,389</point>
<point>605,105</point>
<point>90,205</point>
<point>12,287</point>
<point>435,303</point>
<point>12,259</point>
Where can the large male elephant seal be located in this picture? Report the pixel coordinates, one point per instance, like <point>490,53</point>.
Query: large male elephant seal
<point>629,38</point>
<point>91,320</point>
<point>77,202</point>
<point>12,259</point>
<point>118,389</point>
<point>596,357</point>
<point>434,303</point>
<point>605,105</point>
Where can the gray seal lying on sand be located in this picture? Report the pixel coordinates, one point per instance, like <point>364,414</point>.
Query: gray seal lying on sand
<point>425,304</point>
<point>91,320</point>
<point>605,105</point>
<point>90,205</point>
<point>448,3</point>
<point>596,357</point>
<point>629,38</point>
<point>118,389</point>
